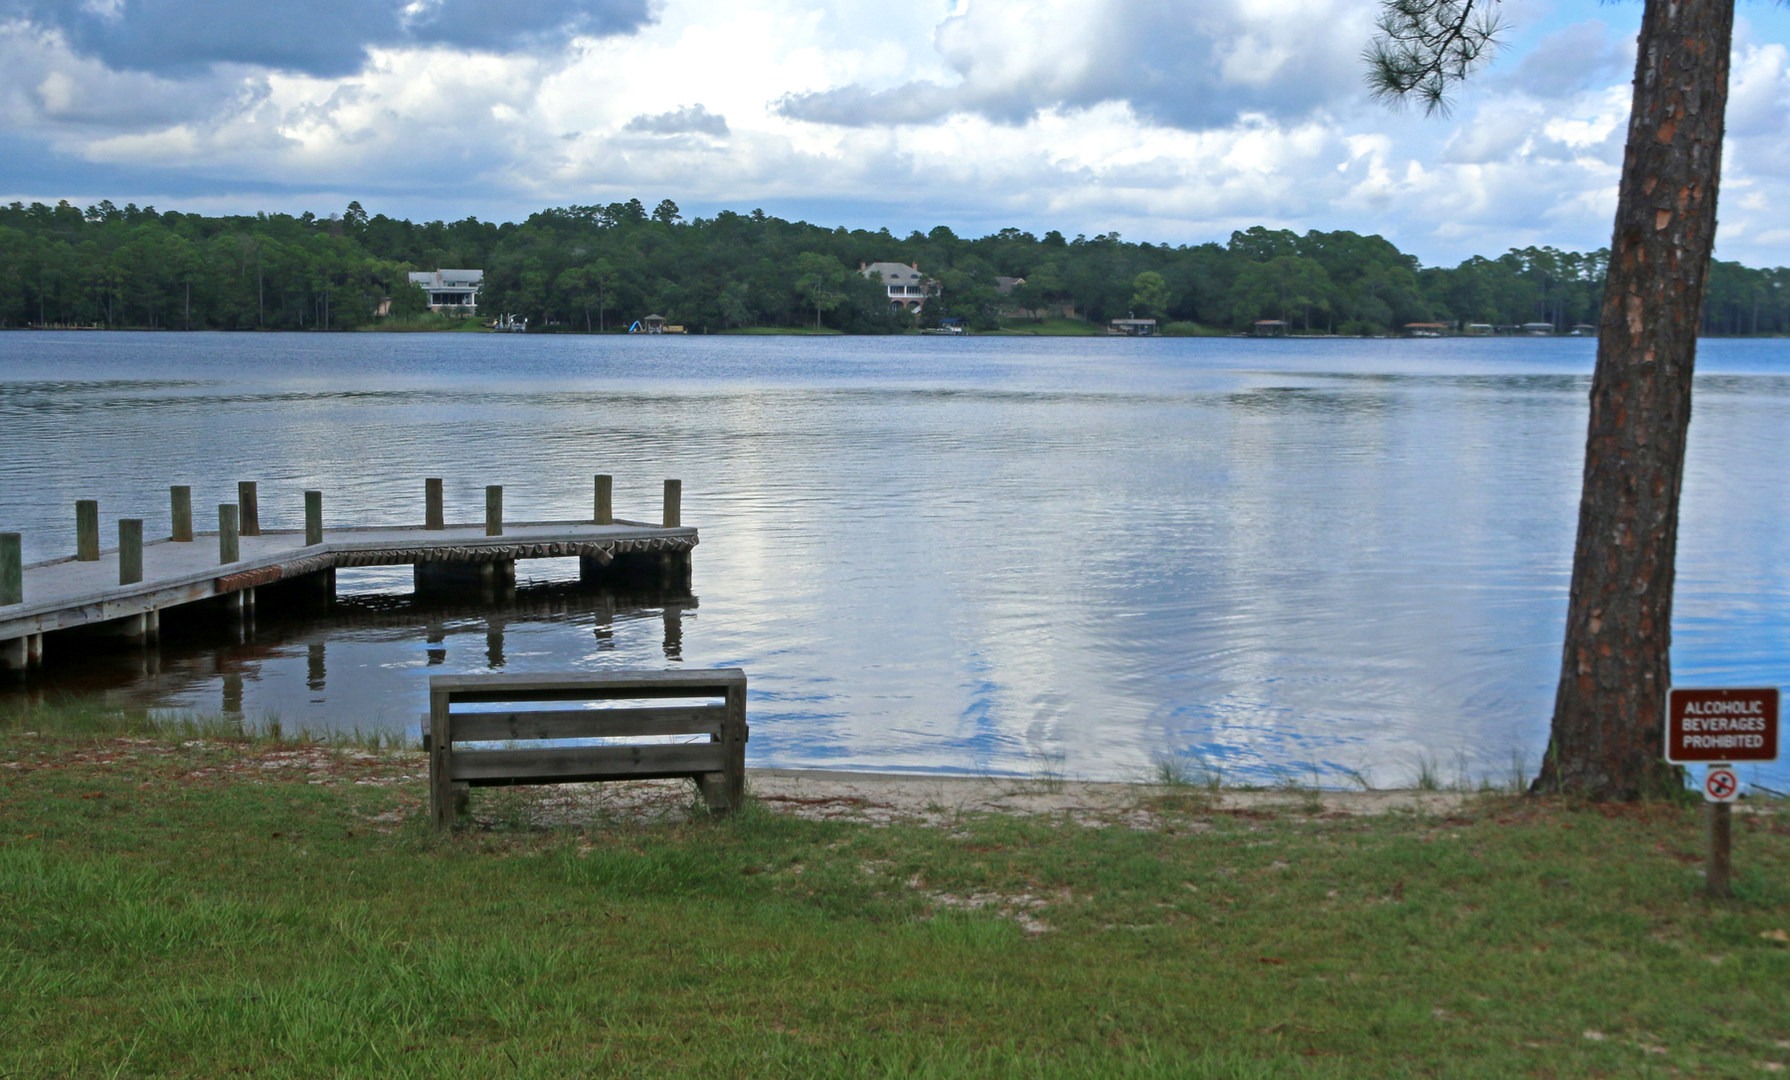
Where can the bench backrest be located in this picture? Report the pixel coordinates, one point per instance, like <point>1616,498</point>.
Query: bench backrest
<point>709,702</point>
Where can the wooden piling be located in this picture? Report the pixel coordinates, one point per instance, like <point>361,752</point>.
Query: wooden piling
<point>249,508</point>
<point>494,510</point>
<point>180,508</point>
<point>433,517</point>
<point>229,521</point>
<point>1718,885</point>
<point>87,530</point>
<point>12,569</point>
<point>313,518</point>
<point>130,550</point>
<point>605,514</point>
<point>674,497</point>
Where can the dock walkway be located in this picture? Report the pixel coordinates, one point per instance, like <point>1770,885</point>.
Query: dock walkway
<point>71,593</point>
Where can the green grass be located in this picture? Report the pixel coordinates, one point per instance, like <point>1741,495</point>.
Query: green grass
<point>199,907</point>
<point>425,323</point>
<point>1051,328</point>
<point>1193,329</point>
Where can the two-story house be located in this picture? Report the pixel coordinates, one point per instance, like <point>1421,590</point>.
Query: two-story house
<point>451,288</point>
<point>908,290</point>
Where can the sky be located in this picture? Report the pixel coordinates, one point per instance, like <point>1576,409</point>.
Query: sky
<point>1168,121</point>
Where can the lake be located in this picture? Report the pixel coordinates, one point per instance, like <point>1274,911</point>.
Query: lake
<point>1296,560</point>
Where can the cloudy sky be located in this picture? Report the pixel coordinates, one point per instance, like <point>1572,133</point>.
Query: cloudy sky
<point>1162,120</point>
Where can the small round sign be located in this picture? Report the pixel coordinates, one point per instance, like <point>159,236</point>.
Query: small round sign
<point>1720,784</point>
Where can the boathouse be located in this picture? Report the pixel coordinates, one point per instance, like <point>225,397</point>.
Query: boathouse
<point>1132,327</point>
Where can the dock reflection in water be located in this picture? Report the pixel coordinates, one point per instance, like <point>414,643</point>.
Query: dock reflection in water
<point>298,657</point>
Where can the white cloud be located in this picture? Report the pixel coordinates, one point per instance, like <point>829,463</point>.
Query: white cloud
<point>1168,122</point>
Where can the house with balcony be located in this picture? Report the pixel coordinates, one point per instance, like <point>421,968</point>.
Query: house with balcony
<point>907,289</point>
<point>451,289</point>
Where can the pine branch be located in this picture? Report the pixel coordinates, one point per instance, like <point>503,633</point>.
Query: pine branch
<point>1424,47</point>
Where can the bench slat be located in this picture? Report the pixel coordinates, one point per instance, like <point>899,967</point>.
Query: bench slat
<point>588,762</point>
<point>586,723</point>
<point>700,682</point>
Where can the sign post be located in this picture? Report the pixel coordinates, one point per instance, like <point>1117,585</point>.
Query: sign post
<point>1719,727</point>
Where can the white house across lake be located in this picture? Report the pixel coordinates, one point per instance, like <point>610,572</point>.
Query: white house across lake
<point>450,288</point>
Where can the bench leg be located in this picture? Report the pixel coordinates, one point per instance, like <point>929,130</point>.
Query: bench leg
<point>714,789</point>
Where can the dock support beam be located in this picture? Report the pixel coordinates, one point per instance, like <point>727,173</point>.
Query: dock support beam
<point>143,628</point>
<point>433,515</point>
<point>22,653</point>
<point>87,530</point>
<point>12,569</point>
<point>592,568</point>
<point>180,508</point>
<point>485,576</point>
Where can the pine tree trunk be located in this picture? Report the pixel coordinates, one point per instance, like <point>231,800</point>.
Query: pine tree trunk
<point>1610,707</point>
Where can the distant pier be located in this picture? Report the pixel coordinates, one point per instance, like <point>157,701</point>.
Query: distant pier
<point>123,590</point>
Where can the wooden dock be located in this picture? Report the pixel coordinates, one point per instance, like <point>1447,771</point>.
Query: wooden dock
<point>124,589</point>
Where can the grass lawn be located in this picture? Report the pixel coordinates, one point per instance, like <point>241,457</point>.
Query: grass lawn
<point>1050,328</point>
<point>184,904</point>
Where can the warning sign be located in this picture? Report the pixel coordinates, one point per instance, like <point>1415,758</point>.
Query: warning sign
<point>1721,785</point>
<point>1722,725</point>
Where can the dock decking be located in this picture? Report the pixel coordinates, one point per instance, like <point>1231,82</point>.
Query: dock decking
<point>96,587</point>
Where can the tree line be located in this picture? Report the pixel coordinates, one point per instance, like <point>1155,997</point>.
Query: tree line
<point>598,268</point>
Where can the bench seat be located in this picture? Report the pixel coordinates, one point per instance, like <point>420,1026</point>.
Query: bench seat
<point>536,750</point>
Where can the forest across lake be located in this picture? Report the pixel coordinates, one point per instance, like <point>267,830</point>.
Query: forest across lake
<point>601,268</point>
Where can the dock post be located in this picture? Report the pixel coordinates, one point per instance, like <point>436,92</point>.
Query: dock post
<point>674,498</point>
<point>313,518</point>
<point>433,517</point>
<point>12,569</point>
<point>605,500</point>
<point>494,510</point>
<point>180,507</point>
<point>87,530</point>
<point>249,522</point>
<point>229,521</point>
<point>130,550</point>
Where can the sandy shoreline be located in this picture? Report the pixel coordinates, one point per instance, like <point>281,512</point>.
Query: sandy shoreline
<point>885,798</point>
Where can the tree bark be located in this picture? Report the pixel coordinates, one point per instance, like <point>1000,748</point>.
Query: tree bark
<point>1609,710</point>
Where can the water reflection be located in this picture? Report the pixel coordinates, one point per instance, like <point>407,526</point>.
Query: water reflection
<point>1285,556</point>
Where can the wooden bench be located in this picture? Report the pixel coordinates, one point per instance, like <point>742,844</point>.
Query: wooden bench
<point>702,702</point>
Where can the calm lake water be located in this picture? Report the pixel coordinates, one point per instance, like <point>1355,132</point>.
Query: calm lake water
<point>932,554</point>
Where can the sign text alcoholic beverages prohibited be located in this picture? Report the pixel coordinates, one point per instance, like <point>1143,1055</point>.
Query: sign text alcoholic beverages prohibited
<point>1719,728</point>
<point>1722,726</point>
